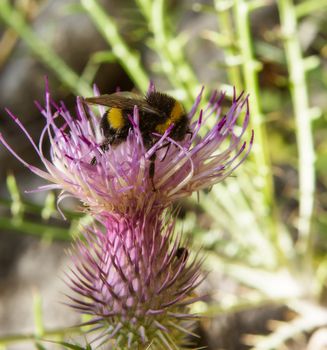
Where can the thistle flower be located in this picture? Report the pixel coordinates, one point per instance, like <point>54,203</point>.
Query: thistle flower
<point>135,278</point>
<point>120,182</point>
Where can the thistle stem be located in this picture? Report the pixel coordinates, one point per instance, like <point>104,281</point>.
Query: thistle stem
<point>55,333</point>
<point>250,72</point>
<point>169,49</point>
<point>260,150</point>
<point>230,51</point>
<point>33,228</point>
<point>305,145</point>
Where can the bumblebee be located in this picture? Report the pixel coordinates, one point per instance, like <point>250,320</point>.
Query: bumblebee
<point>157,112</point>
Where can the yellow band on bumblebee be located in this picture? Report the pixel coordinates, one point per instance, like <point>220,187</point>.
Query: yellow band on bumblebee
<point>176,113</point>
<point>115,118</point>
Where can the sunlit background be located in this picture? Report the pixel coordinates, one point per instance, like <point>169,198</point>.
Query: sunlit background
<point>264,230</point>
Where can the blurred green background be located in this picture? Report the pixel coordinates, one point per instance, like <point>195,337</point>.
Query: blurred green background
<point>263,230</point>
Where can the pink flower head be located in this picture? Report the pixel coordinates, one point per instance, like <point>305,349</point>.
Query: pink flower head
<point>119,182</point>
<point>136,279</point>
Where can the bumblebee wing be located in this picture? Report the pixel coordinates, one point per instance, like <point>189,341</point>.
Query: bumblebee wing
<point>123,100</point>
<point>117,99</point>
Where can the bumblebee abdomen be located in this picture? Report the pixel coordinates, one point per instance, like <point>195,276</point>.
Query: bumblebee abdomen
<point>115,118</point>
<point>114,126</point>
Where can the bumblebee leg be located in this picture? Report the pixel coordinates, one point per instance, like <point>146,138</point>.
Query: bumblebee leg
<point>190,133</point>
<point>166,145</point>
<point>163,146</point>
<point>104,147</point>
<point>94,161</point>
<point>152,169</point>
